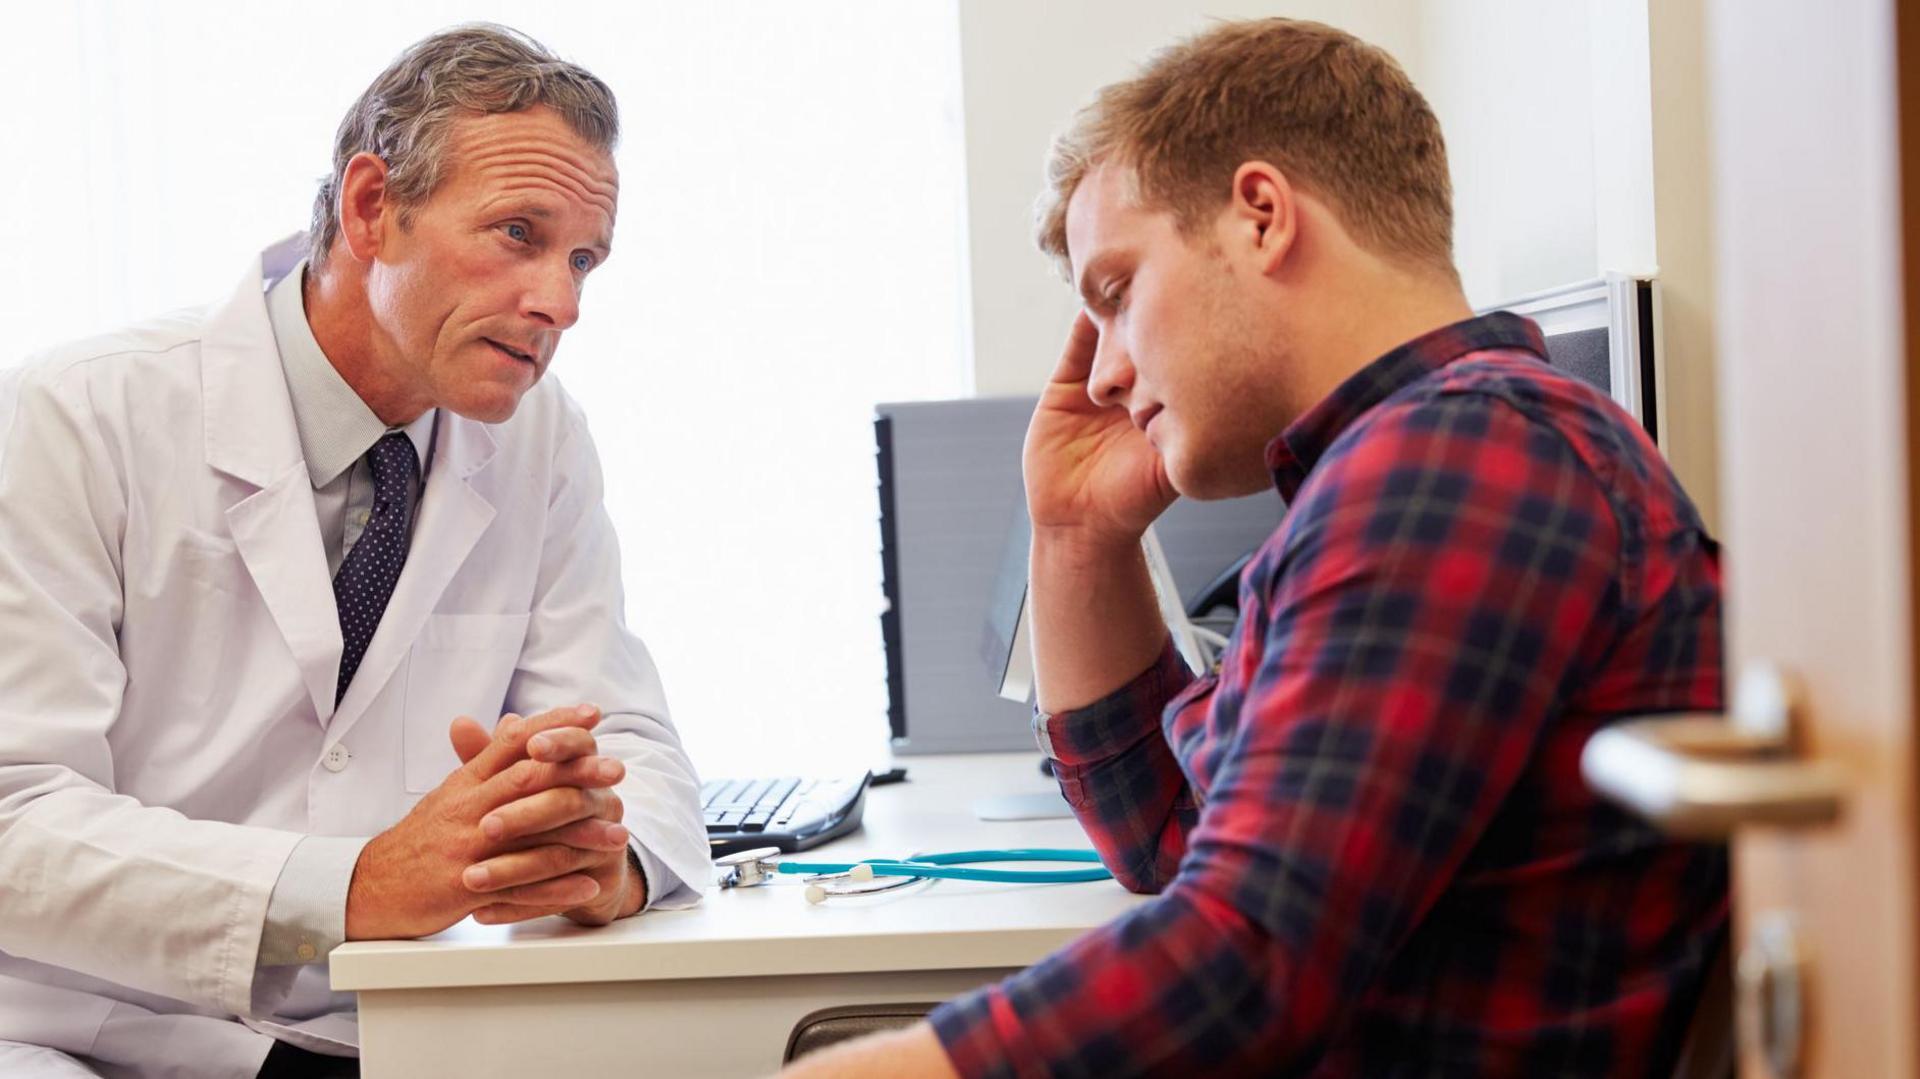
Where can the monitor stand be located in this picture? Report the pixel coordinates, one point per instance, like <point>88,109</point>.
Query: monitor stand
<point>1041,805</point>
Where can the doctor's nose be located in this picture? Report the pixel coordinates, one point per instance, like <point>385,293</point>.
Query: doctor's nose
<point>552,296</point>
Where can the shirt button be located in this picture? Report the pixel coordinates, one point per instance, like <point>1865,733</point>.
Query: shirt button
<point>360,518</point>
<point>336,758</point>
<point>306,952</point>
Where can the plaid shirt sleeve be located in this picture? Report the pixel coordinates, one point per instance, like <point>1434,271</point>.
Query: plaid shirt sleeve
<point>1121,778</point>
<point>1403,643</point>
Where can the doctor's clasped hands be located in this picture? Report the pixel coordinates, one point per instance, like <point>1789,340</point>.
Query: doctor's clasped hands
<point>526,827</point>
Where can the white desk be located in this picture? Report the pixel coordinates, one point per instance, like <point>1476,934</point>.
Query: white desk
<point>715,990</point>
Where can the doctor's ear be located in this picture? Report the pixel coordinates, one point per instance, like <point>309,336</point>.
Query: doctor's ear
<point>1263,214</point>
<point>362,205</point>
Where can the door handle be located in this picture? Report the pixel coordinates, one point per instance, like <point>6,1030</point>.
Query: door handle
<point>1700,776</point>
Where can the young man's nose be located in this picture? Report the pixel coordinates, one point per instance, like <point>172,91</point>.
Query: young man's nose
<point>1111,378</point>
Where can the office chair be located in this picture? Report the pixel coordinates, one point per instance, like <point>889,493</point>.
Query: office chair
<point>831,1026</point>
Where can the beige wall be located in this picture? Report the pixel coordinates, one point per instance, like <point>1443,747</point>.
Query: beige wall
<point>1683,219</point>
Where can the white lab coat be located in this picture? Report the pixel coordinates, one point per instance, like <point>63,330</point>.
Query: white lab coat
<point>168,651</point>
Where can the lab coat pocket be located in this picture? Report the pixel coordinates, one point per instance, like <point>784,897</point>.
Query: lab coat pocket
<point>461,665</point>
<point>206,585</point>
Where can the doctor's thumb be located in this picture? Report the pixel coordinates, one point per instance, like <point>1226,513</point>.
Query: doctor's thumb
<point>468,738</point>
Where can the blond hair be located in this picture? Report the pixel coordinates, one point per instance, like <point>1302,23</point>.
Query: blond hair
<point>406,116</point>
<point>1338,116</point>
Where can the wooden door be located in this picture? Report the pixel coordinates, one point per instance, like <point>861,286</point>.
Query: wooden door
<point>1817,439</point>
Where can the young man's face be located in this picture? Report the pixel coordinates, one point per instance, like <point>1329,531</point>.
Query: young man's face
<point>471,298</point>
<point>1180,348</point>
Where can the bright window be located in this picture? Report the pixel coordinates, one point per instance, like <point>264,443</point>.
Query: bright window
<point>789,252</point>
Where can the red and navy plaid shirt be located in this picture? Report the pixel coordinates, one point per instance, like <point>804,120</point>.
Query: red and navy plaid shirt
<point>1372,848</point>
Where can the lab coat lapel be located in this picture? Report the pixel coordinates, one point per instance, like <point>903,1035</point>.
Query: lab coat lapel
<point>452,518</point>
<point>250,435</point>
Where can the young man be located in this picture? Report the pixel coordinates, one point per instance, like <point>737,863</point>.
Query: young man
<point>1373,851</point>
<point>254,563</point>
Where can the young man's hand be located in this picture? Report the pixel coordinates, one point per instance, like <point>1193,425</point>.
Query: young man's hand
<point>1089,471</point>
<point>1094,484</point>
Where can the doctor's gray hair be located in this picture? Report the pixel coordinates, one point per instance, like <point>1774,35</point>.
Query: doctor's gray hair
<point>407,115</point>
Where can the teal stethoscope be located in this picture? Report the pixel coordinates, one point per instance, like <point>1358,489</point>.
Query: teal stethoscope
<point>751,868</point>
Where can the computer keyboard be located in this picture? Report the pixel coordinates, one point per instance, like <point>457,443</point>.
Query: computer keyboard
<point>789,812</point>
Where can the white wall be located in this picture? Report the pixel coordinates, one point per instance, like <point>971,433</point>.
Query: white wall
<point>1564,168</point>
<point>1025,67</point>
<point>1512,84</point>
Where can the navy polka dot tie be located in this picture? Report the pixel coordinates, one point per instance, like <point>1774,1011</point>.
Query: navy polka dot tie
<point>365,582</point>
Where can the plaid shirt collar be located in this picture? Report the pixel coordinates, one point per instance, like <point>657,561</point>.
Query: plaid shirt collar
<point>1292,456</point>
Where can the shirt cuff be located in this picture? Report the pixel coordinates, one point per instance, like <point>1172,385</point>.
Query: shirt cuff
<point>307,913</point>
<point>1116,722</point>
<point>660,880</point>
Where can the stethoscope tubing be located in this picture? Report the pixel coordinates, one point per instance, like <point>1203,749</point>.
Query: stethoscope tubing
<point>952,865</point>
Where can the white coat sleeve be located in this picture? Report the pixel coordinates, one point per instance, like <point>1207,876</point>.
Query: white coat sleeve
<point>91,879</point>
<point>578,650</point>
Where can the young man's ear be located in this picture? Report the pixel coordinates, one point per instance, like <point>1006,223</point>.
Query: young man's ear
<point>362,206</point>
<point>1264,214</point>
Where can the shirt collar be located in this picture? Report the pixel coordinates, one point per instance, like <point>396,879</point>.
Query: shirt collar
<point>335,426</point>
<point>1292,455</point>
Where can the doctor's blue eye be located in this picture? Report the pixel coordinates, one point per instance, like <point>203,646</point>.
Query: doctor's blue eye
<point>582,262</point>
<point>517,232</point>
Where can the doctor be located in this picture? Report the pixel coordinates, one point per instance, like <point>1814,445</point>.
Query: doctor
<point>255,563</point>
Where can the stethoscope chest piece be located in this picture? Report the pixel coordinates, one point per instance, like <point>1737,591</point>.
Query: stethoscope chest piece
<point>748,868</point>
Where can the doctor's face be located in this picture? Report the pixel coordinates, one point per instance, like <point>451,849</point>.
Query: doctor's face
<point>470,299</point>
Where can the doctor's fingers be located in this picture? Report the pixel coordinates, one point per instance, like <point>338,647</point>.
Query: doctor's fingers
<point>592,834</point>
<point>524,779</point>
<point>565,889</point>
<point>507,913</point>
<point>511,734</point>
<point>556,807</point>
<point>505,873</point>
<point>562,744</point>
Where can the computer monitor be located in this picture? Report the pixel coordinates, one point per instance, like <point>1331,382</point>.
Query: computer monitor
<point>953,559</point>
<point>1007,649</point>
<point>1006,640</point>
<point>1606,332</point>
